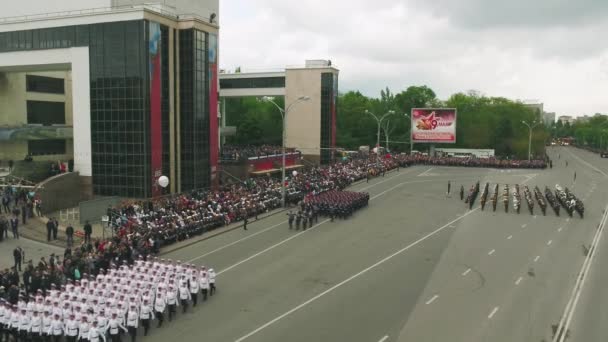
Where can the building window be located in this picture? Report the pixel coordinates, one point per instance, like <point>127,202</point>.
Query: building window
<point>45,113</point>
<point>42,84</point>
<point>246,83</point>
<point>46,147</point>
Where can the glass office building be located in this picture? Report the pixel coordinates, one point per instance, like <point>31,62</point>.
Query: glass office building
<point>152,80</point>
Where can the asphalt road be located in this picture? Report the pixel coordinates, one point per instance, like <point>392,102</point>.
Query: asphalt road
<point>413,266</point>
<point>33,251</point>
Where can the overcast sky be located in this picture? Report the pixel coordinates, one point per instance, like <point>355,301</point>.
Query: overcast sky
<point>555,51</point>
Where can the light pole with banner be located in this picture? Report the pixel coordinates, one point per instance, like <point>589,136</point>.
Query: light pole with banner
<point>530,128</point>
<point>284,113</point>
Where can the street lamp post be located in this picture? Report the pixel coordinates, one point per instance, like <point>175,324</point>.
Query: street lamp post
<point>530,127</point>
<point>284,113</point>
<point>411,137</point>
<point>379,121</point>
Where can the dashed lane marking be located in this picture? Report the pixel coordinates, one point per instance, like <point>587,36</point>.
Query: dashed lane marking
<point>466,272</point>
<point>491,252</point>
<point>494,311</point>
<point>518,280</point>
<point>510,237</point>
<point>549,242</point>
<point>537,257</point>
<point>349,279</point>
<point>432,299</point>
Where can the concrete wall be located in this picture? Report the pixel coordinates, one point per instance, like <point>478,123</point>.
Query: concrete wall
<point>61,192</point>
<point>303,123</point>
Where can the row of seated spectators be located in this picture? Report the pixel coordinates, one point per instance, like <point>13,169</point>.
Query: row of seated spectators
<point>419,159</point>
<point>243,152</point>
<point>164,221</point>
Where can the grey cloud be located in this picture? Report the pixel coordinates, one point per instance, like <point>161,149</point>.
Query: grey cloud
<point>517,13</point>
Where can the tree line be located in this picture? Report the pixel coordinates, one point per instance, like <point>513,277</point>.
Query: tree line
<point>482,121</point>
<point>592,133</point>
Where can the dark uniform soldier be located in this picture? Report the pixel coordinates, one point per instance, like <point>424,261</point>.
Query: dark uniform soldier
<point>298,220</point>
<point>461,192</point>
<point>292,217</point>
<point>245,221</point>
<point>311,217</point>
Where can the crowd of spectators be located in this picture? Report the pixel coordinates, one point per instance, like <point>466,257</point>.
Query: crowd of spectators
<point>420,159</point>
<point>242,152</point>
<point>18,205</point>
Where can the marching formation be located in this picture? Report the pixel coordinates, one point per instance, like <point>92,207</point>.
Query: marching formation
<point>116,301</point>
<point>561,198</point>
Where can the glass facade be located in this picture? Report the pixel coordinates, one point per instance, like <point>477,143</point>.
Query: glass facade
<point>122,128</point>
<point>194,110</point>
<point>120,106</point>
<point>42,84</point>
<point>45,113</point>
<point>244,83</point>
<point>328,108</point>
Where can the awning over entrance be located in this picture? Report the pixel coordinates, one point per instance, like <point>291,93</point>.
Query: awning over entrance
<point>36,133</point>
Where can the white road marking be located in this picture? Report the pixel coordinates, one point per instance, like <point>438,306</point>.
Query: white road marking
<point>537,257</point>
<point>510,237</point>
<point>349,279</point>
<point>432,299</point>
<point>564,322</point>
<point>288,239</point>
<point>491,252</point>
<point>237,241</point>
<point>466,272</point>
<point>278,224</point>
<point>425,172</point>
<point>493,313</point>
<point>384,338</point>
<point>271,247</point>
<point>586,163</point>
<point>549,242</point>
<point>518,280</point>
<point>560,229</point>
<point>524,225</point>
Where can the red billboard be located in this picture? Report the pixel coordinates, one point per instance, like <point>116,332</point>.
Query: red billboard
<point>433,125</point>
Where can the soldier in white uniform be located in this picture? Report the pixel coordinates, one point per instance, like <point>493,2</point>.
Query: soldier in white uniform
<point>36,327</point>
<point>171,299</point>
<point>212,281</point>
<point>145,314</point>
<point>194,288</point>
<point>204,283</point>
<point>24,325</point>
<point>159,308</point>
<point>184,295</point>
<point>56,329</point>
<point>71,328</point>
<point>46,324</point>
<point>83,329</point>
<point>132,321</point>
<point>95,333</point>
<point>13,322</point>
<point>113,325</point>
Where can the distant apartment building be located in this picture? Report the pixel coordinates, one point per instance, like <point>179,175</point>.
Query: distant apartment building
<point>548,118</point>
<point>566,119</point>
